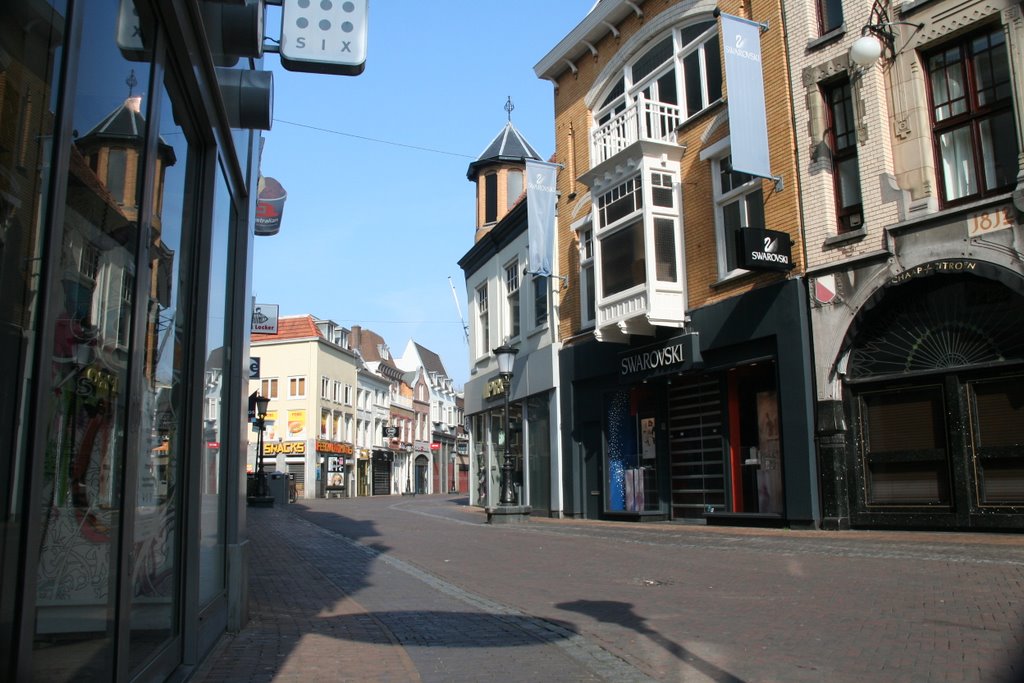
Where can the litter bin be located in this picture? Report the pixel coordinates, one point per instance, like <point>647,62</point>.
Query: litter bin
<point>277,482</point>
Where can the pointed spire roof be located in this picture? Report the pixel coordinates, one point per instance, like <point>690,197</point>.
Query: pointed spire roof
<point>124,122</point>
<point>508,145</point>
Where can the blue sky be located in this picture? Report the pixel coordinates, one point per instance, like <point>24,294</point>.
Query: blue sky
<point>379,209</point>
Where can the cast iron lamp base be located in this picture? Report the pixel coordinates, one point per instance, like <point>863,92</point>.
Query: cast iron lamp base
<point>508,514</point>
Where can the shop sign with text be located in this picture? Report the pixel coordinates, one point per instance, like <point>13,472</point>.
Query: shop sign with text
<point>950,266</point>
<point>286,448</point>
<point>763,249</point>
<point>671,356</point>
<point>324,446</point>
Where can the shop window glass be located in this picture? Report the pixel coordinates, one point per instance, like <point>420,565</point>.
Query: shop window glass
<point>904,447</point>
<point>538,425</point>
<point>83,473</point>
<point>630,456</point>
<point>623,261</point>
<point>29,71</point>
<point>997,421</point>
<point>155,596</point>
<point>212,528</point>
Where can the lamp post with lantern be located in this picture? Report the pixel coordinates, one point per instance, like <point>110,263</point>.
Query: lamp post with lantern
<point>506,356</point>
<point>261,496</point>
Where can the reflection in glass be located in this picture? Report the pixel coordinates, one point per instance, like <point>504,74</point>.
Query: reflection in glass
<point>156,569</point>
<point>93,300</point>
<point>212,519</point>
<point>30,38</point>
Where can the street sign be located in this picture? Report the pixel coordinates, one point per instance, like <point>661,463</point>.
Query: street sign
<point>252,405</point>
<point>324,37</point>
<point>435,445</point>
<point>390,432</point>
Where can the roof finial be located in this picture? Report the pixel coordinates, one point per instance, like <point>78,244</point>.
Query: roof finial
<point>509,107</point>
<point>131,81</point>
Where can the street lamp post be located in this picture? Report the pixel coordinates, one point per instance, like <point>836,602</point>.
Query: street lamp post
<point>260,422</point>
<point>506,356</point>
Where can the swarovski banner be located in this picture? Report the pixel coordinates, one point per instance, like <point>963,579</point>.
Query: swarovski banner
<point>748,129</point>
<point>541,195</point>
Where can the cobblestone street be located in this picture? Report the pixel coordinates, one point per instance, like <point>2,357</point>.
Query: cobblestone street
<point>422,589</point>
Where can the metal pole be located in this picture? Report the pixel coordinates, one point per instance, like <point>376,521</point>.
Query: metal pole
<point>261,475</point>
<point>508,496</point>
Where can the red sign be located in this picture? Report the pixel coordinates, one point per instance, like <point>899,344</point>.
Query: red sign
<point>213,444</point>
<point>435,445</point>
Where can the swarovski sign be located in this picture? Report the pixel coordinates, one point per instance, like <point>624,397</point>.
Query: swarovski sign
<point>671,356</point>
<point>763,249</point>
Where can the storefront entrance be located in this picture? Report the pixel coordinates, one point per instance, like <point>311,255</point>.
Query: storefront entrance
<point>936,396</point>
<point>421,474</point>
<point>725,454</point>
<point>382,473</point>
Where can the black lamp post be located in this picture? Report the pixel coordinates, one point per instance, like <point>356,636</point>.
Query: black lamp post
<point>261,425</point>
<point>506,356</point>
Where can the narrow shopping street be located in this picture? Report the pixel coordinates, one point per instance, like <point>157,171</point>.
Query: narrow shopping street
<point>423,589</point>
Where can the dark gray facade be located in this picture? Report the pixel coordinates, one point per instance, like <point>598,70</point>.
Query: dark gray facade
<point>677,444</point>
<point>127,222</point>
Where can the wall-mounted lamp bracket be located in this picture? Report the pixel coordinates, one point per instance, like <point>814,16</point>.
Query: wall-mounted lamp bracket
<point>877,37</point>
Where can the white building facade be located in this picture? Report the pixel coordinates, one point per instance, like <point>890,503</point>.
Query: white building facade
<point>309,374</point>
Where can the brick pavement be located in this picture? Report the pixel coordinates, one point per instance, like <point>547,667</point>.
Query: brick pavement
<point>323,607</point>
<point>422,589</point>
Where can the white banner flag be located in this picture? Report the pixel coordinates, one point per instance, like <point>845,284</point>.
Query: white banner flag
<point>741,39</point>
<point>541,195</point>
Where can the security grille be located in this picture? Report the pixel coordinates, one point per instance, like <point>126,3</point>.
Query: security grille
<point>696,448</point>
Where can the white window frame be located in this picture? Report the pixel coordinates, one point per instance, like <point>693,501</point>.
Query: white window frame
<point>606,108</point>
<point>513,298</point>
<point>717,154</point>
<point>483,324</point>
<point>540,284</point>
<point>634,219</point>
<point>325,387</point>
<point>348,395</point>
<point>296,382</point>
<point>584,229</point>
<point>268,387</point>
